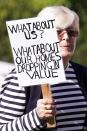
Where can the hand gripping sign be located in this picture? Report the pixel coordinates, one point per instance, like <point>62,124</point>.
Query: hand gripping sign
<point>36,52</point>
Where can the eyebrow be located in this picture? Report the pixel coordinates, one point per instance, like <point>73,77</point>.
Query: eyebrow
<point>71,28</point>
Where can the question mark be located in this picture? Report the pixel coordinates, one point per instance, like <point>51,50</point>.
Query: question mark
<point>41,33</point>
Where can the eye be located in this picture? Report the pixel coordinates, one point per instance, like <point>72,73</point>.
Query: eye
<point>59,31</point>
<point>72,33</point>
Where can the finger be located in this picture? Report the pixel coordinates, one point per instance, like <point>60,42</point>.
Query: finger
<point>50,106</point>
<point>48,113</point>
<point>45,102</point>
<point>48,101</point>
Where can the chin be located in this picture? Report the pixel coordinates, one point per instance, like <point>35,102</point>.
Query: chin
<point>66,55</point>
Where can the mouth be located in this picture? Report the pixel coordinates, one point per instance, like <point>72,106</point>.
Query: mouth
<point>65,46</point>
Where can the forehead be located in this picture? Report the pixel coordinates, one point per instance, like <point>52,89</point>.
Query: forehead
<point>63,21</point>
<point>64,17</point>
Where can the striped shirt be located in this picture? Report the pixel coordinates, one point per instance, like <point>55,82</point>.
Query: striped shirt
<point>12,105</point>
<point>71,106</point>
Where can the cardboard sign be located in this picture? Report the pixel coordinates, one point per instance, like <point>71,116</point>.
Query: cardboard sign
<point>36,52</point>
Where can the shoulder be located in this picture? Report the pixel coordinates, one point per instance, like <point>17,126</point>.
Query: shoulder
<point>78,67</point>
<point>12,76</point>
<point>80,71</point>
<point>11,82</point>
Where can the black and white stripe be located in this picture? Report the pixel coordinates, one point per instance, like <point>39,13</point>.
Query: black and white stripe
<point>71,106</point>
<point>12,105</point>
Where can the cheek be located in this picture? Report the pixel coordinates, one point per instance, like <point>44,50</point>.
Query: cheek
<point>73,42</point>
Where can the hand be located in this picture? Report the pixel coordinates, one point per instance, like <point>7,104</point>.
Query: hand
<point>45,108</point>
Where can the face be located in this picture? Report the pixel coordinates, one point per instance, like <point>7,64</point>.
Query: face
<point>67,38</point>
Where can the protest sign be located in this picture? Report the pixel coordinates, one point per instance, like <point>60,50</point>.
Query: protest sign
<point>36,52</point>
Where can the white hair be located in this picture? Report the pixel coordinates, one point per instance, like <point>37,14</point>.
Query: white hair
<point>63,16</point>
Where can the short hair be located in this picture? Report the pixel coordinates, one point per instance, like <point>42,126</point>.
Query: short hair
<point>59,12</point>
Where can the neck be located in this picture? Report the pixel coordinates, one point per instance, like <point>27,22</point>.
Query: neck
<point>65,62</point>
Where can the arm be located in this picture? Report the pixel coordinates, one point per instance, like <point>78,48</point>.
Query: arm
<point>12,105</point>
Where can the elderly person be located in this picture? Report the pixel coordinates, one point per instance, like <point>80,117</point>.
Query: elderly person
<point>24,109</point>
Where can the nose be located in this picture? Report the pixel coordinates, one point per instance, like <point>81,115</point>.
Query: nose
<point>65,36</point>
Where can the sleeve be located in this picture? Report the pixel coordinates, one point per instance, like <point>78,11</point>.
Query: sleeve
<point>12,105</point>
